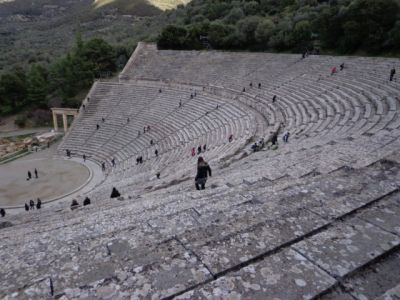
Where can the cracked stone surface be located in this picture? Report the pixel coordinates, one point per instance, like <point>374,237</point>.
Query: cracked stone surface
<point>237,248</point>
<point>286,240</point>
<point>341,249</point>
<point>285,275</point>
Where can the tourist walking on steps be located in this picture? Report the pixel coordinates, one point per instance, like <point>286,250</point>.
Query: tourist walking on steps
<point>2,212</point>
<point>204,148</point>
<point>285,137</point>
<point>29,175</point>
<point>392,73</point>
<point>103,166</point>
<point>26,207</point>
<point>274,139</point>
<point>254,147</point>
<point>113,162</point>
<point>97,126</point>
<point>193,151</point>
<point>115,193</point>
<point>230,139</point>
<point>274,99</point>
<point>31,204</point>
<point>38,203</point>
<point>198,150</point>
<point>156,152</point>
<point>342,67</point>
<point>203,169</point>
<point>333,71</point>
<point>36,173</point>
<point>84,157</point>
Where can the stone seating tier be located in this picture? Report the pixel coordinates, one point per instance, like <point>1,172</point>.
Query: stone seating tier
<point>309,219</point>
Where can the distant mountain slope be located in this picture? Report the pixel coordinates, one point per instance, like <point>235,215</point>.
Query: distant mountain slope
<point>131,5</point>
<point>38,31</point>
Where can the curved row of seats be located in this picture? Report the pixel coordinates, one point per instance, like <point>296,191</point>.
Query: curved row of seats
<point>357,100</point>
<point>102,241</point>
<point>202,119</point>
<point>258,212</point>
<point>311,103</point>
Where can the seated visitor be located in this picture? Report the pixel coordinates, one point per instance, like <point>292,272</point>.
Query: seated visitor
<point>74,204</point>
<point>38,203</point>
<point>86,201</point>
<point>115,193</point>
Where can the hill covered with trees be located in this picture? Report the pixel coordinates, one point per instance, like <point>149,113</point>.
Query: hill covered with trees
<point>336,26</point>
<point>35,89</point>
<point>40,65</point>
<point>42,30</point>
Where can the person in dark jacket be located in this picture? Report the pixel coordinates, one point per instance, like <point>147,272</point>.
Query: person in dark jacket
<point>203,169</point>
<point>26,207</point>
<point>74,204</point>
<point>38,203</point>
<point>86,201</point>
<point>2,212</point>
<point>392,73</point>
<point>32,204</point>
<point>115,193</point>
<point>274,139</point>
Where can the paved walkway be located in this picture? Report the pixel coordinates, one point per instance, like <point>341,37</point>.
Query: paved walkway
<point>24,131</point>
<point>75,175</point>
<point>57,177</point>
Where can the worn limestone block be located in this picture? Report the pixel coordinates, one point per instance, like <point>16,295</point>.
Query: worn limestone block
<point>284,275</point>
<point>347,246</point>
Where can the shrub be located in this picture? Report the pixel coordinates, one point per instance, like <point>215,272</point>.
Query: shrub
<point>20,120</point>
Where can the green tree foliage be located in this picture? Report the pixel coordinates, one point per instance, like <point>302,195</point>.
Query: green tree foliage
<point>264,31</point>
<point>344,26</point>
<point>13,91</point>
<point>65,78</point>
<point>173,37</point>
<point>37,86</point>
